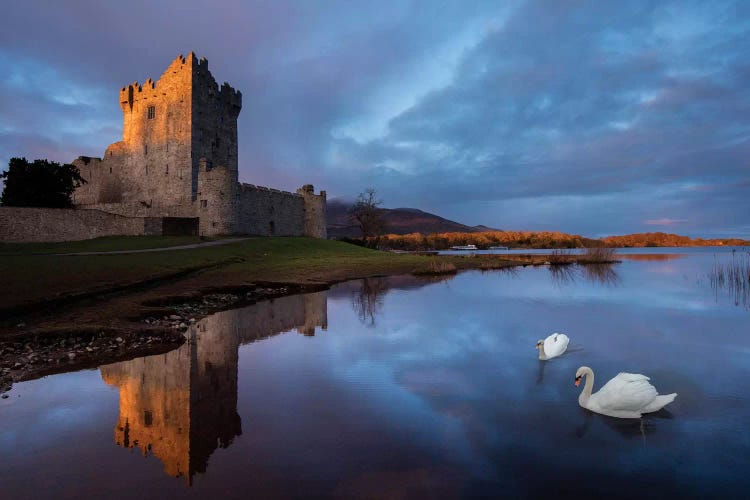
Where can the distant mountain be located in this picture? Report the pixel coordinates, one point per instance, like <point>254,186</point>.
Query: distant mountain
<point>397,220</point>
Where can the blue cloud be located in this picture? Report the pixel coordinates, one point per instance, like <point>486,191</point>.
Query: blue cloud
<point>590,117</point>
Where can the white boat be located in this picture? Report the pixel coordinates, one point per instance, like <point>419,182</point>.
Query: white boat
<point>464,247</point>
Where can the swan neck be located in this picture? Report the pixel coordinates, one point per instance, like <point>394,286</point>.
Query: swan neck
<point>542,354</point>
<point>588,387</point>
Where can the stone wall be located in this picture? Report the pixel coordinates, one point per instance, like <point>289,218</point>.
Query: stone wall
<point>25,225</point>
<point>217,200</point>
<point>269,212</point>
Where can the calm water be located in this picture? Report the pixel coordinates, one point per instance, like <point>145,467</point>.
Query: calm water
<point>399,386</point>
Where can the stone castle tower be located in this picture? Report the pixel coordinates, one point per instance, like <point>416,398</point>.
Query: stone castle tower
<point>178,159</point>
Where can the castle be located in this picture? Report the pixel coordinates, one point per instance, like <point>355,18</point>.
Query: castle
<point>177,167</point>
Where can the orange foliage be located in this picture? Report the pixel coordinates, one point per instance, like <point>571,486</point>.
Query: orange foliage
<point>541,239</point>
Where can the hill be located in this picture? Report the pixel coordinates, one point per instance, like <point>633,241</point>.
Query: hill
<point>398,221</point>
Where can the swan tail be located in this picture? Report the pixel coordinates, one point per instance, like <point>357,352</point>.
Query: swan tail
<point>659,402</point>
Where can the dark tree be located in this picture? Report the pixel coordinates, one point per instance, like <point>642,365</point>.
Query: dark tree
<point>41,183</point>
<point>368,215</point>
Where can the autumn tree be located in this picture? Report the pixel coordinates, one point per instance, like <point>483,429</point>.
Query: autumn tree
<point>368,215</point>
<point>40,183</point>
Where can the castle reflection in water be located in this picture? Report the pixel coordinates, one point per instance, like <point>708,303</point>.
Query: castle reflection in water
<point>182,405</point>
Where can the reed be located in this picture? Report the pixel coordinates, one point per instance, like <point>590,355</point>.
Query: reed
<point>732,276</point>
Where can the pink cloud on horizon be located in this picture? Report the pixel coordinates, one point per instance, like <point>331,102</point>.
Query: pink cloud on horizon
<point>665,222</point>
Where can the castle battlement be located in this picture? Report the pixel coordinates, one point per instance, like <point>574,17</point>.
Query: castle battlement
<point>178,157</point>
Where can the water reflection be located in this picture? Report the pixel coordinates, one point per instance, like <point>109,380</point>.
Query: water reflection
<point>731,278</point>
<point>651,256</point>
<point>368,300</point>
<point>368,294</point>
<point>601,274</point>
<point>628,428</point>
<point>182,405</point>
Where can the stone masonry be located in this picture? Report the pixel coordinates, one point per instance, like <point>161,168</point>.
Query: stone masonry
<point>178,158</point>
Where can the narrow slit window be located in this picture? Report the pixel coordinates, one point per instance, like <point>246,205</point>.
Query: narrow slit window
<point>151,112</point>
<point>166,170</point>
<point>204,203</point>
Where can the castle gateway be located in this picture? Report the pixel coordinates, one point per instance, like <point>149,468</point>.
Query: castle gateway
<point>176,166</point>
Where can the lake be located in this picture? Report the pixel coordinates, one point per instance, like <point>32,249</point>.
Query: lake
<point>406,387</point>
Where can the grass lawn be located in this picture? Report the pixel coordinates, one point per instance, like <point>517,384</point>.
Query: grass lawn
<point>27,277</point>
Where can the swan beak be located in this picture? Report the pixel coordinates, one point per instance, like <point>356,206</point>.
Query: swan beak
<point>578,381</point>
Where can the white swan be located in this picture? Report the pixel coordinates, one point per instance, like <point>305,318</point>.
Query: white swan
<point>628,395</point>
<point>552,346</point>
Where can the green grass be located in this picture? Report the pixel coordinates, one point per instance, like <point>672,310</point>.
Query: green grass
<point>29,278</point>
<point>106,244</point>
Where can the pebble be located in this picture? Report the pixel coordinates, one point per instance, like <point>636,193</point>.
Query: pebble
<point>119,339</point>
<point>174,317</point>
<point>71,355</point>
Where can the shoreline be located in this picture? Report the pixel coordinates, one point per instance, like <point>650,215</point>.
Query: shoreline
<point>87,329</point>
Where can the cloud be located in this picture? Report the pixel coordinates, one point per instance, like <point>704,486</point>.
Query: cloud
<point>665,222</point>
<point>589,117</point>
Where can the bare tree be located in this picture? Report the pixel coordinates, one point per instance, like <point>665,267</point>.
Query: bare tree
<point>368,215</point>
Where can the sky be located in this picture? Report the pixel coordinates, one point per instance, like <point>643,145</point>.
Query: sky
<point>588,117</point>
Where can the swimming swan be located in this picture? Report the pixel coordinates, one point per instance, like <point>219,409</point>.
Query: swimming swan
<point>628,395</point>
<point>552,346</point>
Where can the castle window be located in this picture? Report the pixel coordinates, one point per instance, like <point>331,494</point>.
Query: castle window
<point>148,418</point>
<point>145,149</point>
<point>151,112</point>
<point>166,170</point>
<point>146,169</point>
<point>204,203</point>
<point>271,227</point>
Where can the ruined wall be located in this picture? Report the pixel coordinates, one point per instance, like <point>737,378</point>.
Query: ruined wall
<point>315,212</point>
<point>25,225</point>
<point>269,212</point>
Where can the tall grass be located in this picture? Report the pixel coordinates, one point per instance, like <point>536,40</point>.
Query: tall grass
<point>598,255</point>
<point>436,267</point>
<point>560,257</point>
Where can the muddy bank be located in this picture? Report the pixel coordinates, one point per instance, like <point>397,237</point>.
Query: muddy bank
<point>159,328</point>
<point>31,357</point>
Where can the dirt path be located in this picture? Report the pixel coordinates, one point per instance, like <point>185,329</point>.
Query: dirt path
<point>161,249</point>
